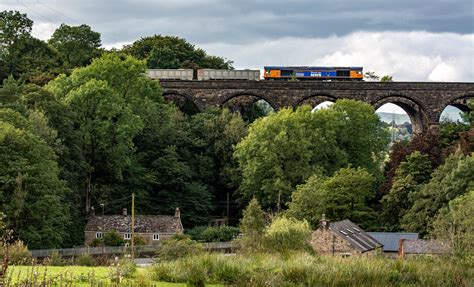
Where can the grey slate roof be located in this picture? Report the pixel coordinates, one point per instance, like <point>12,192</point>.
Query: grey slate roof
<point>354,235</point>
<point>391,240</point>
<point>420,246</point>
<point>143,223</point>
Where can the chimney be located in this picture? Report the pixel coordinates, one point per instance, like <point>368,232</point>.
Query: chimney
<point>177,213</point>
<point>124,212</point>
<point>92,211</point>
<point>324,222</point>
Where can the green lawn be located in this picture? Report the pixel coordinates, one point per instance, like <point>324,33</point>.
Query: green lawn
<point>79,275</point>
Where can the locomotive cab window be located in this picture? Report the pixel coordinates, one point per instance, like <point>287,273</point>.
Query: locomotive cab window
<point>343,73</point>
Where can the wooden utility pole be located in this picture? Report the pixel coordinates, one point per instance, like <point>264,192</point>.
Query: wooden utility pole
<point>133,225</point>
<point>279,202</point>
<point>227,208</point>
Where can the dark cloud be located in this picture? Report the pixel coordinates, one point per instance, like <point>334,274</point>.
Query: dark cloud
<point>247,21</point>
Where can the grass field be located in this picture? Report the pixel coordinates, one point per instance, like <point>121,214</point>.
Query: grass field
<point>81,276</point>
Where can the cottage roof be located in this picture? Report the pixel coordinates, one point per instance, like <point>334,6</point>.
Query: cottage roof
<point>420,246</point>
<point>354,235</point>
<point>391,240</point>
<point>143,223</point>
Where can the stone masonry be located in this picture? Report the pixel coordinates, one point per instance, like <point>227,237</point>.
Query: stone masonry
<point>423,101</point>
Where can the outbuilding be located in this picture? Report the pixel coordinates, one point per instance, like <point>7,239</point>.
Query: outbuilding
<point>343,238</point>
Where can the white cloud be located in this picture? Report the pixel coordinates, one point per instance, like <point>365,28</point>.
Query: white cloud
<point>407,56</point>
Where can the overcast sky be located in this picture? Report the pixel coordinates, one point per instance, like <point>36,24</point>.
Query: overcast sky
<point>423,40</point>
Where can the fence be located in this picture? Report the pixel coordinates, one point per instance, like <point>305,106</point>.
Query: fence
<point>69,252</point>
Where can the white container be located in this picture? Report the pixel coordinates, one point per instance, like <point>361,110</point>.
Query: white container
<point>170,74</point>
<point>210,74</point>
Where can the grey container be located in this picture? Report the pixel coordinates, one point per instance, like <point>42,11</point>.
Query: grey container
<point>210,74</point>
<point>170,74</point>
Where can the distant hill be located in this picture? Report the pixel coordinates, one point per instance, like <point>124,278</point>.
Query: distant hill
<point>450,113</point>
<point>389,117</point>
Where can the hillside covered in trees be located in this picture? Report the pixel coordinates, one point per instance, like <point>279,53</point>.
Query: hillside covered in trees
<point>83,127</point>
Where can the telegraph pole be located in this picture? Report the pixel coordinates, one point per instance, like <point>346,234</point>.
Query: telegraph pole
<point>227,208</point>
<point>133,225</point>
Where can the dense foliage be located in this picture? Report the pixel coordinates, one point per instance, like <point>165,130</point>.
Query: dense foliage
<point>167,52</point>
<point>348,132</point>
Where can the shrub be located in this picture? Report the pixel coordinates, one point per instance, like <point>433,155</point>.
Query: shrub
<point>173,248</point>
<point>55,259</point>
<point>196,232</point>
<point>97,242</point>
<point>85,260</point>
<point>285,234</point>
<point>138,240</point>
<point>112,238</point>
<point>18,253</point>
<point>125,268</point>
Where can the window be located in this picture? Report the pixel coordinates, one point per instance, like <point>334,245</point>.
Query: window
<point>156,236</point>
<point>127,236</point>
<point>98,235</point>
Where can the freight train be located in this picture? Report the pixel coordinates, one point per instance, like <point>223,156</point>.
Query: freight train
<point>269,73</point>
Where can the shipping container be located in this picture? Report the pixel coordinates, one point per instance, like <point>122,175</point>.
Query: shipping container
<point>171,74</point>
<point>210,74</point>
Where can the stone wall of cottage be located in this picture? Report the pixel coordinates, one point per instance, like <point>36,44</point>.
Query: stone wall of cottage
<point>147,237</point>
<point>324,241</point>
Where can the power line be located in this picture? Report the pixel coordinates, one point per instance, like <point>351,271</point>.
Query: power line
<point>74,20</point>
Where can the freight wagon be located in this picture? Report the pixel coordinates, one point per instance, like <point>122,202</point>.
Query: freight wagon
<point>210,74</point>
<point>313,73</point>
<point>171,74</point>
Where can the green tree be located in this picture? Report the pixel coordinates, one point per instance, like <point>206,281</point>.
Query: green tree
<point>252,225</point>
<point>409,179</point>
<point>167,52</point>
<point>22,55</point>
<point>450,180</point>
<point>386,78</point>
<point>346,195</point>
<point>31,193</point>
<point>286,234</point>
<point>13,26</point>
<point>284,149</point>
<point>213,134</point>
<point>307,201</point>
<point>455,224</point>
<point>77,45</point>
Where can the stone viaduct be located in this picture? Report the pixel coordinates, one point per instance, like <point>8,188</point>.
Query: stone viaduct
<point>422,101</point>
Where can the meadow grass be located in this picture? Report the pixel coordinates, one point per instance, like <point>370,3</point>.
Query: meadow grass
<point>82,276</point>
<point>304,269</point>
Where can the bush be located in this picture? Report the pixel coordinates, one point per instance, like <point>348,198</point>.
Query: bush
<point>213,234</point>
<point>173,248</point>
<point>138,240</point>
<point>112,238</point>
<point>97,242</point>
<point>55,259</point>
<point>125,268</point>
<point>285,234</point>
<point>85,260</point>
<point>18,253</point>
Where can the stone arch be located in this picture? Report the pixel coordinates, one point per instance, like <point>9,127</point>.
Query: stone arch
<point>180,99</point>
<point>460,103</point>
<point>247,94</point>
<point>418,117</point>
<point>315,99</point>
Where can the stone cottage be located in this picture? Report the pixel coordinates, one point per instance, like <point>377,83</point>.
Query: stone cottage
<point>152,228</point>
<point>343,238</point>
